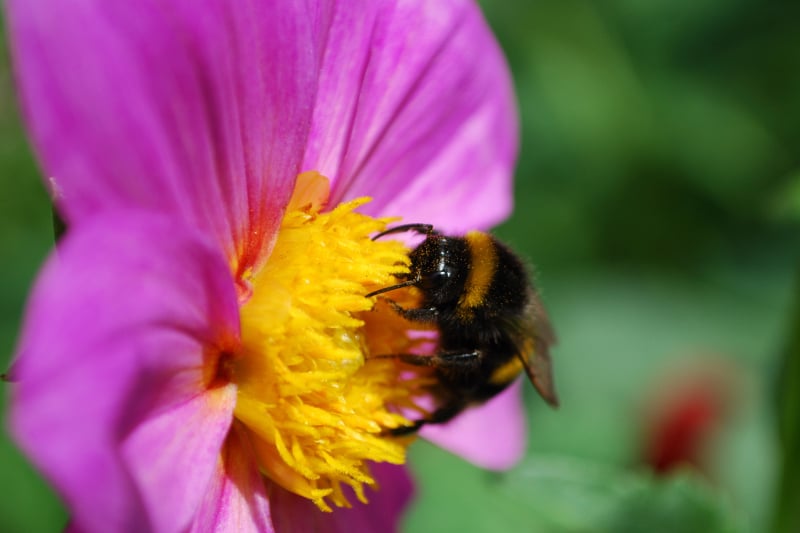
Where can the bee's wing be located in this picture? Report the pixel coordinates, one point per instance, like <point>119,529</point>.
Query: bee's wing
<point>533,336</point>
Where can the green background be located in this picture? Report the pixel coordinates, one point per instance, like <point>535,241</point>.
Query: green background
<point>658,195</point>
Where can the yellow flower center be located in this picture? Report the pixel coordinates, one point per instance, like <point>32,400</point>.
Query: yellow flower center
<point>317,411</point>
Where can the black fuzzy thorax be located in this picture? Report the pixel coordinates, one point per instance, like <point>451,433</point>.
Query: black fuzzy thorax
<point>485,327</point>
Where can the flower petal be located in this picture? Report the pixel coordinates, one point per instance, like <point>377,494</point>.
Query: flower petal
<point>293,514</point>
<point>172,453</point>
<point>198,108</point>
<point>110,397</point>
<point>236,500</point>
<point>491,436</point>
<point>415,108</point>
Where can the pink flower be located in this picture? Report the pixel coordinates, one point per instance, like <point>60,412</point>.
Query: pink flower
<point>172,135</point>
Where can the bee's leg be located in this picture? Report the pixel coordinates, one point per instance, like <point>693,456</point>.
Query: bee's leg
<point>442,415</point>
<point>446,412</point>
<point>419,314</point>
<point>438,360</point>
<point>406,430</point>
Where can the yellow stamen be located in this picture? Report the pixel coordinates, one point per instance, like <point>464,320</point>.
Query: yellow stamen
<point>316,411</point>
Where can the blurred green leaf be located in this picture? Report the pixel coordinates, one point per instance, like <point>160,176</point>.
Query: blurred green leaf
<point>786,203</point>
<point>787,509</point>
<point>681,504</point>
<point>584,497</point>
<point>559,494</point>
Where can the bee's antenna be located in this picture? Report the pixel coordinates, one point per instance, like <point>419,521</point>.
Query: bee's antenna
<point>392,287</point>
<point>425,229</point>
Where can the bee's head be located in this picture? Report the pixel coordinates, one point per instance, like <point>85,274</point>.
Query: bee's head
<point>440,264</point>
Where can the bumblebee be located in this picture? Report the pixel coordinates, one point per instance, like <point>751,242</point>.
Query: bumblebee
<point>491,324</point>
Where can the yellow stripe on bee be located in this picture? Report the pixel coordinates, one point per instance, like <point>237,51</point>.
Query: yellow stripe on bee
<point>505,373</point>
<point>483,255</point>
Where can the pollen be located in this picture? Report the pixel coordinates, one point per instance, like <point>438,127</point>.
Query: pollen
<point>317,406</point>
